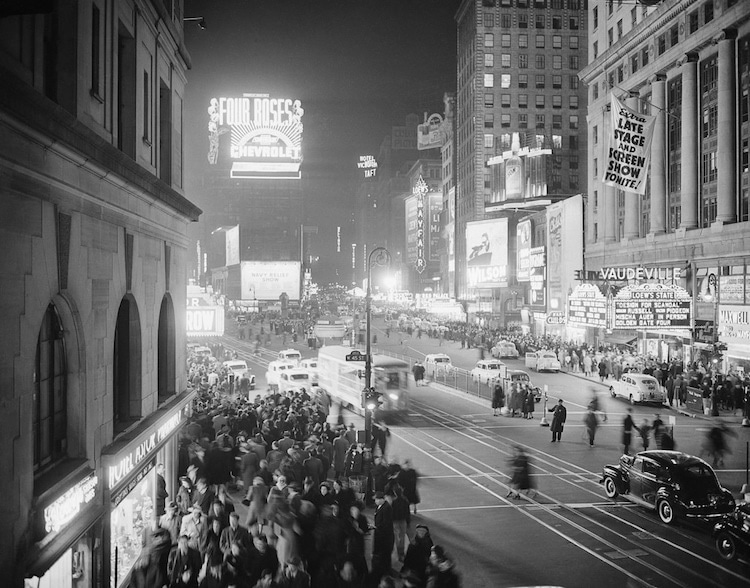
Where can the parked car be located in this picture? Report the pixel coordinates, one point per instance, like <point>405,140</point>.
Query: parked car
<point>675,484</point>
<point>295,379</point>
<point>637,388</point>
<point>504,350</point>
<point>732,533</point>
<point>291,355</point>
<point>236,366</point>
<point>543,361</point>
<point>437,364</point>
<point>486,370</point>
<point>521,377</point>
<point>274,371</point>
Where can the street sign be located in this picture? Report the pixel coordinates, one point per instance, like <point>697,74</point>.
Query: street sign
<point>356,355</point>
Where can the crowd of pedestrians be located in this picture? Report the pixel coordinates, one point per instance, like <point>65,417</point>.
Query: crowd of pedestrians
<point>272,494</point>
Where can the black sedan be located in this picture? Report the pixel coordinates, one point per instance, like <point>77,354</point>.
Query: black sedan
<point>732,533</point>
<point>675,484</point>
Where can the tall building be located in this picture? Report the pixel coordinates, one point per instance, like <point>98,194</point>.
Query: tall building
<point>93,291</point>
<point>686,63</point>
<point>519,141</point>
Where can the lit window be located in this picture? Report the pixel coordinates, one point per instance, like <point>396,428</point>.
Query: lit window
<point>489,40</point>
<point>540,41</point>
<point>557,42</point>
<point>489,141</point>
<point>505,60</point>
<point>489,80</point>
<point>505,81</point>
<point>489,59</point>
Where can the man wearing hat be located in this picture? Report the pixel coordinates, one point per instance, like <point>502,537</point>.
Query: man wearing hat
<point>286,442</point>
<point>234,533</point>
<point>171,521</point>
<point>295,573</point>
<point>418,555</point>
<point>384,538</point>
<point>195,526</point>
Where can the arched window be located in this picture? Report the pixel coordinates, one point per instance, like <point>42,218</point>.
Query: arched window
<point>50,419</point>
<point>126,385</point>
<point>166,353</point>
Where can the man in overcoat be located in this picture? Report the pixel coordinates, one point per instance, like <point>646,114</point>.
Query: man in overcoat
<point>559,414</point>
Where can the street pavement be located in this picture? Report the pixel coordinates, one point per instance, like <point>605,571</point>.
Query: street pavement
<point>568,534</point>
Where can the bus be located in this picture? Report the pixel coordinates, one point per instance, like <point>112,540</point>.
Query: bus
<point>344,380</point>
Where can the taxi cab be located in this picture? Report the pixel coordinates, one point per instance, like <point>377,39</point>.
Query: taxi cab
<point>487,370</point>
<point>636,388</point>
<point>274,371</point>
<point>437,364</point>
<point>291,355</point>
<point>504,350</point>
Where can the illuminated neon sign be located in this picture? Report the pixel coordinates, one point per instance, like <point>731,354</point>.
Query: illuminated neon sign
<point>266,135</point>
<point>420,190</point>
<point>368,165</point>
<point>64,509</point>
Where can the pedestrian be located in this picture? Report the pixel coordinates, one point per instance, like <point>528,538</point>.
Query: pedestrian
<point>592,424</point>
<point>498,398</point>
<point>383,538</point>
<point>407,478</point>
<point>602,370</point>
<point>520,480</point>
<point>659,430</point>
<point>645,431</point>
<point>418,554</point>
<point>401,519</point>
<point>528,404</point>
<point>559,415</point>
<point>627,431</point>
<point>441,570</point>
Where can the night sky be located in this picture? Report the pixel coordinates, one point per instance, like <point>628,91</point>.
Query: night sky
<point>358,66</point>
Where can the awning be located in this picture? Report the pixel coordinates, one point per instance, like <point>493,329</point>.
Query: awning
<point>614,339</point>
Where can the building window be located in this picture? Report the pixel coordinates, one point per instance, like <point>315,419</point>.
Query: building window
<point>619,29</point>
<point>489,80</point>
<point>523,61</point>
<point>674,36</point>
<point>505,141</point>
<point>489,121</point>
<point>573,121</point>
<point>708,12</point>
<point>505,81</point>
<point>596,49</point>
<point>557,62</point>
<point>523,21</point>
<point>595,167</point>
<point>573,41</point>
<point>661,44</point>
<point>523,41</point>
<point>505,40</point>
<point>489,40</point>
<point>539,61</point>
<point>573,102</point>
<point>573,82</point>
<point>539,21</point>
<point>540,4</point>
<point>97,52</point>
<point>523,80</point>
<point>573,161</point>
<point>126,366</point>
<point>610,37</point>
<point>620,74</point>
<point>596,232</point>
<point>557,121</point>
<point>489,59</point>
<point>610,7</point>
<point>709,75</point>
<point>146,107</point>
<point>693,22</point>
<point>505,120</point>
<point>633,17</point>
<point>540,41</point>
<point>557,82</point>
<point>573,23</point>
<point>710,119</point>
<point>557,42</point>
<point>539,100</point>
<point>489,100</point>
<point>573,142</point>
<point>505,100</point>
<point>540,82</point>
<point>596,17</point>
<point>557,22</point>
<point>539,121</point>
<point>595,92</point>
<point>489,20</point>
<point>523,121</point>
<point>50,410</point>
<point>166,350</point>
<point>523,101</point>
<point>505,20</point>
<point>573,62</point>
<point>634,63</point>
<point>489,141</point>
<point>644,57</point>
<point>505,60</point>
<point>595,134</point>
<point>557,101</point>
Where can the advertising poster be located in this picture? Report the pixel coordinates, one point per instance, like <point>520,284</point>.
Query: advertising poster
<point>537,277</point>
<point>487,253</point>
<point>429,134</point>
<point>523,249</point>
<point>734,324</point>
<point>554,248</point>
<point>732,289</point>
<point>434,208</point>
<point>267,280</point>
<point>412,225</point>
<point>233,245</point>
<point>587,307</point>
<point>265,135</point>
<point>629,148</point>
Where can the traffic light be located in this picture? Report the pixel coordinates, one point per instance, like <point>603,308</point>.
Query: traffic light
<point>373,399</point>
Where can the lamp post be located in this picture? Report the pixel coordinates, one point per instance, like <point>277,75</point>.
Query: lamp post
<point>382,257</point>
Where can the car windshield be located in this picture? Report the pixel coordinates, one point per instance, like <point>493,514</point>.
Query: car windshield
<point>441,360</point>
<point>298,377</point>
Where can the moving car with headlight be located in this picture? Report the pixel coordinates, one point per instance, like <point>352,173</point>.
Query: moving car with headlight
<point>290,355</point>
<point>295,379</point>
<point>637,388</point>
<point>675,484</point>
<point>486,370</point>
<point>274,371</point>
<point>732,533</point>
<point>504,350</point>
<point>543,361</point>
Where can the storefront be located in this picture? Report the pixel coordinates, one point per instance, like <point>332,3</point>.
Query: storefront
<point>130,466</point>
<point>68,530</point>
<point>734,332</point>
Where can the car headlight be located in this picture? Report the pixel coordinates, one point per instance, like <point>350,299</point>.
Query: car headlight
<point>393,396</point>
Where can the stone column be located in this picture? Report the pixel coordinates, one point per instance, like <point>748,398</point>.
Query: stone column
<point>726,148</point>
<point>690,158</point>
<point>609,203</point>
<point>659,156</point>
<point>632,200</point>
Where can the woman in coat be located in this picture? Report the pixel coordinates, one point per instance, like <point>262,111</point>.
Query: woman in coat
<point>528,404</point>
<point>498,398</point>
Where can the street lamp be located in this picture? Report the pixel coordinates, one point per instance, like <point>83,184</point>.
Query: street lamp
<point>382,257</point>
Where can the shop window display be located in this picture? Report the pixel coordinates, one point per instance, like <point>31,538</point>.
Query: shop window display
<point>129,519</point>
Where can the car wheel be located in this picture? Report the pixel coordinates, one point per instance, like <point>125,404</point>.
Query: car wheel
<point>665,511</point>
<point>726,546</point>
<point>610,487</point>
<point>612,391</point>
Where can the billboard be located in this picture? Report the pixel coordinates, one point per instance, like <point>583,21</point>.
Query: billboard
<point>265,135</point>
<point>232,245</point>
<point>430,134</point>
<point>587,307</point>
<point>628,148</point>
<point>487,253</point>
<point>537,276</point>
<point>203,317</point>
<point>523,250</point>
<point>368,165</point>
<point>267,280</point>
<point>652,306</point>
